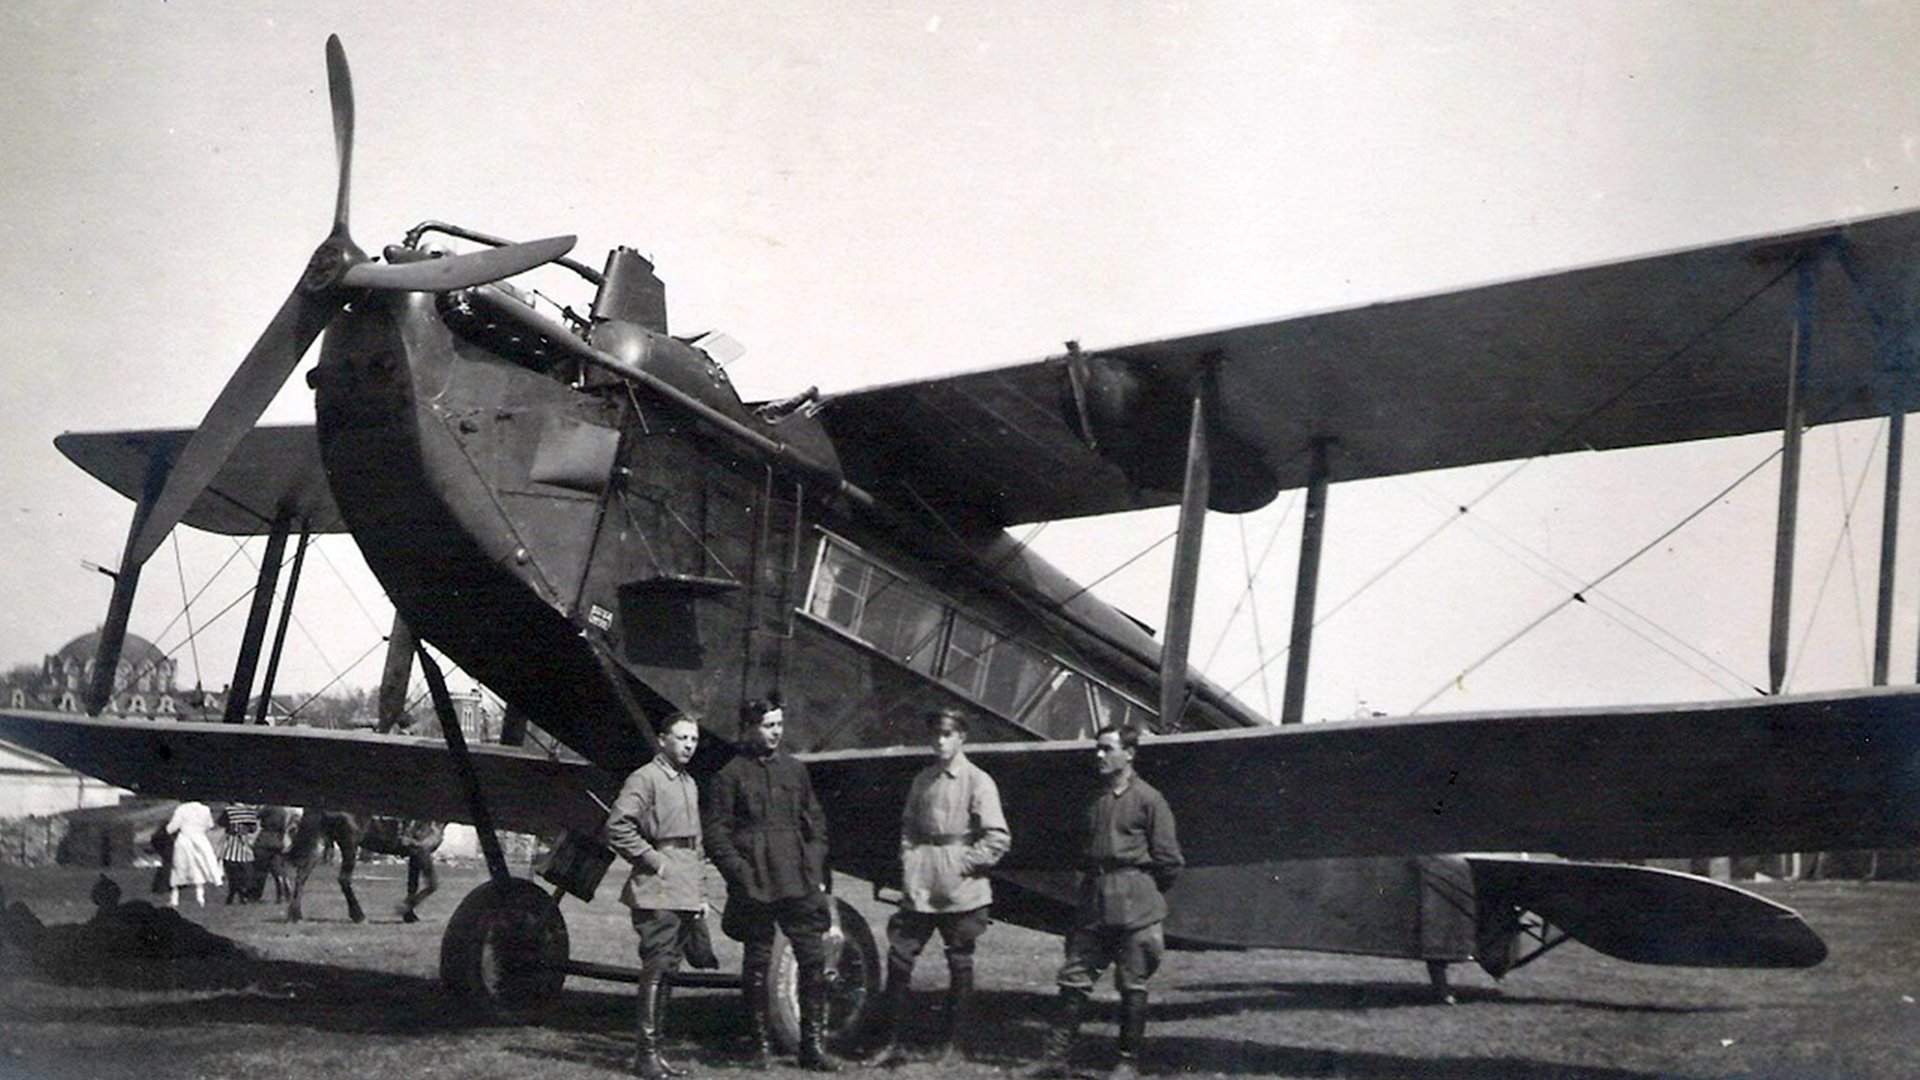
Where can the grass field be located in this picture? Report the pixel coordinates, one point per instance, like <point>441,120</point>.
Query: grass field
<point>326,998</point>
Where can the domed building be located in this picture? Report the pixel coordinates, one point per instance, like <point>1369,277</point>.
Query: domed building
<point>143,682</point>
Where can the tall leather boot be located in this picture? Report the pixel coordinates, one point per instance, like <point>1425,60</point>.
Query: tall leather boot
<point>646,1029</point>
<point>893,1010</point>
<point>662,1002</point>
<point>813,1023</point>
<point>754,987</point>
<point>1061,1036</point>
<point>958,1011</point>
<point>1133,1031</point>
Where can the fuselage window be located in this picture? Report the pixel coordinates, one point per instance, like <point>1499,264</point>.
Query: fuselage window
<point>1065,712</point>
<point>929,635</point>
<point>877,607</point>
<point>998,672</point>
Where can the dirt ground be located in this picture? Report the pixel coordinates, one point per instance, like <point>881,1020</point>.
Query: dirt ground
<point>327,998</point>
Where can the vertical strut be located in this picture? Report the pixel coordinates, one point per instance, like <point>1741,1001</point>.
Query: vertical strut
<point>1889,532</point>
<point>286,616</point>
<point>242,686</point>
<point>1313,529</point>
<point>463,765</point>
<point>1797,365</point>
<point>1186,566</point>
<point>113,633</point>
<point>395,674</point>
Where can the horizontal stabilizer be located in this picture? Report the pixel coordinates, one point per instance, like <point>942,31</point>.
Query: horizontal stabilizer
<point>1650,916</point>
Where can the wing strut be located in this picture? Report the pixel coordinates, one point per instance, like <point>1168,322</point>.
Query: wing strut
<point>240,691</point>
<point>286,616</point>
<point>1186,565</point>
<point>1798,363</point>
<point>1313,528</point>
<point>113,633</point>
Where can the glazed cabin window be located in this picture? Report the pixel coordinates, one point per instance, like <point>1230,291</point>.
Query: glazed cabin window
<point>998,672</point>
<point>1066,712</point>
<point>878,608</point>
<point>1074,707</point>
<point>917,629</point>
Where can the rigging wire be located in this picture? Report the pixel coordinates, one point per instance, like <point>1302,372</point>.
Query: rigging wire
<point>120,687</point>
<point>1259,642</point>
<point>306,633</point>
<point>1833,557</point>
<point>1578,596</point>
<point>1490,533</point>
<point>186,608</point>
<point>1246,595</point>
<point>1564,431</point>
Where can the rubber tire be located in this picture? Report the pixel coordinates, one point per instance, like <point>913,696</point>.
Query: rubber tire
<point>501,952</point>
<point>853,993</point>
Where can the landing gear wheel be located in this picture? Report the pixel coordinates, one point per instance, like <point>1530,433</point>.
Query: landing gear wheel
<point>855,969</point>
<point>502,951</point>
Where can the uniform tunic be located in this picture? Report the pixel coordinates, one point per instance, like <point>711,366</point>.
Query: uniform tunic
<point>655,825</point>
<point>1131,855</point>
<point>765,829</point>
<point>951,831</point>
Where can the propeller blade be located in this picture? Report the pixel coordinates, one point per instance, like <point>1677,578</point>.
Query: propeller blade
<point>246,395</point>
<point>340,89</point>
<point>457,271</point>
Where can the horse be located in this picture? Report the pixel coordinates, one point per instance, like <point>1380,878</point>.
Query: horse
<point>357,833</point>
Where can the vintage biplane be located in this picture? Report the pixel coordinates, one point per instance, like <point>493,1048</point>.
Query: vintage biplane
<point>579,510</point>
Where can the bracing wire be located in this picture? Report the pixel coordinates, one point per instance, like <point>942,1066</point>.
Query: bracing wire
<point>1579,596</point>
<point>1246,596</point>
<point>186,607</point>
<point>1845,539</point>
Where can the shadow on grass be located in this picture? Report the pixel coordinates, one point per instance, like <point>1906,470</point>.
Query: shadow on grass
<point>707,1031</point>
<point>1279,996</point>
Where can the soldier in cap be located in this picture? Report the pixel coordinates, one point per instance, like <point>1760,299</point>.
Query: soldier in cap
<point>952,832</point>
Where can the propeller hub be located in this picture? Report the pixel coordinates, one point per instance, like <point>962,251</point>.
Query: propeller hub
<point>330,262</point>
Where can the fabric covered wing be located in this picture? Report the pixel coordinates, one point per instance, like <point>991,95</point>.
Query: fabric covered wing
<point>1686,345</point>
<point>274,469</point>
<point>1650,916</point>
<point>1807,773</point>
<point>342,770</point>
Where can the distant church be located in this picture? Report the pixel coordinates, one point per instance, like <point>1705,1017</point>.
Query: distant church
<point>143,683</point>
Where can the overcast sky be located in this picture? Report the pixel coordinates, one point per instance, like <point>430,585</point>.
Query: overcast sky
<point>865,193</point>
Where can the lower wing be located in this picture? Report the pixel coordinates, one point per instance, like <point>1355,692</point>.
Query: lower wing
<point>1807,773</point>
<point>344,770</point>
<point>1804,773</point>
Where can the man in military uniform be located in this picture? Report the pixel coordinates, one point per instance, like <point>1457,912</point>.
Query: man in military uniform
<point>768,837</point>
<point>1131,856</point>
<point>951,832</point>
<point>655,826</point>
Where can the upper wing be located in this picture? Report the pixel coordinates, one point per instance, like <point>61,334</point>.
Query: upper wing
<point>274,470</point>
<point>1806,773</point>
<point>341,770</point>
<point>1686,345</point>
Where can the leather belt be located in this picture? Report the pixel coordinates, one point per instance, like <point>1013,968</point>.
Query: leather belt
<point>938,839</point>
<point>687,842</point>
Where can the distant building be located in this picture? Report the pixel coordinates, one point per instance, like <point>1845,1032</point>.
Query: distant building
<point>34,785</point>
<point>143,683</point>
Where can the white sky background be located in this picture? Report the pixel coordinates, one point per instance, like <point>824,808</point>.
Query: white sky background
<point>866,193</point>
